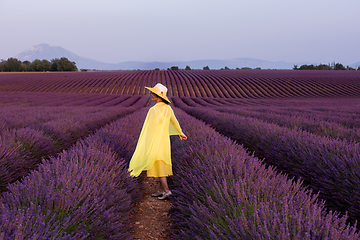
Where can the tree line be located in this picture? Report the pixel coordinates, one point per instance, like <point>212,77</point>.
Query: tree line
<point>332,66</point>
<point>207,68</point>
<point>56,64</point>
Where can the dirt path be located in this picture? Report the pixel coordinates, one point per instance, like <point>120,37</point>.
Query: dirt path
<point>152,221</point>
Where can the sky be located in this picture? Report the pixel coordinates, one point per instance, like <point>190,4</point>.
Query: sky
<point>115,31</point>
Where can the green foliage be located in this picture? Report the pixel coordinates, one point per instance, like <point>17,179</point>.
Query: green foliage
<point>323,67</point>
<point>307,67</point>
<point>246,68</point>
<point>332,66</point>
<point>54,64</point>
<point>25,66</point>
<point>174,68</point>
<point>63,65</point>
<point>2,65</point>
<point>226,68</point>
<point>157,69</point>
<point>206,68</point>
<point>187,67</point>
<point>15,65</point>
<point>40,66</point>
<point>12,65</point>
<point>46,65</point>
<point>339,66</point>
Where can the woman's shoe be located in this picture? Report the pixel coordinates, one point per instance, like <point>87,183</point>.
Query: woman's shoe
<point>157,194</point>
<point>165,195</point>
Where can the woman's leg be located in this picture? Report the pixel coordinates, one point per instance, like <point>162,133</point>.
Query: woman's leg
<point>163,184</point>
<point>161,188</point>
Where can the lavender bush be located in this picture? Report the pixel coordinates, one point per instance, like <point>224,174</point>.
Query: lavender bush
<point>116,100</point>
<point>311,123</point>
<point>142,102</point>
<point>85,192</point>
<point>18,117</point>
<point>191,102</point>
<point>66,131</point>
<point>21,150</point>
<point>201,101</point>
<point>30,223</point>
<point>45,99</point>
<point>223,193</point>
<point>124,142</point>
<point>328,166</point>
<point>347,117</point>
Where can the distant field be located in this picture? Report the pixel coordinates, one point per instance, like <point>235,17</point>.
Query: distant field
<point>194,83</point>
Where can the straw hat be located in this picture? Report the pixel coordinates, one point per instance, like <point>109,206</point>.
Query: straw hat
<point>160,90</point>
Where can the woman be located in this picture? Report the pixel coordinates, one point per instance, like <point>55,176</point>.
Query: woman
<point>152,152</point>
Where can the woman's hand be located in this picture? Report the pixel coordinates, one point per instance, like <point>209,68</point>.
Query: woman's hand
<point>183,137</point>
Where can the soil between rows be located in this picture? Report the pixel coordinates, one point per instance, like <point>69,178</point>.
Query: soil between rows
<point>151,214</point>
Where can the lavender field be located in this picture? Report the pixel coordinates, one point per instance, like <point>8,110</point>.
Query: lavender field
<point>240,84</point>
<point>270,154</point>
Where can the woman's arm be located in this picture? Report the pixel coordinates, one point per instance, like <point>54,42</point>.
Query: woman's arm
<point>176,125</point>
<point>183,137</point>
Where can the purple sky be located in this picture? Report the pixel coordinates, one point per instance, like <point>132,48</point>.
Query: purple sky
<point>318,31</point>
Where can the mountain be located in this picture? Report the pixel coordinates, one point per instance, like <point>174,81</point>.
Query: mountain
<point>46,51</point>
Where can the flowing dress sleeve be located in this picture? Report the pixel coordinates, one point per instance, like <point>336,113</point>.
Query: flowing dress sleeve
<point>174,126</point>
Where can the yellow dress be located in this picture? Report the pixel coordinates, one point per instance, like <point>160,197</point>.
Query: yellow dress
<point>152,151</point>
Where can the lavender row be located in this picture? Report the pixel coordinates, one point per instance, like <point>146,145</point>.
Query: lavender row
<point>45,99</point>
<point>22,149</point>
<point>33,117</point>
<point>221,192</point>
<point>324,107</point>
<point>107,100</point>
<point>30,99</point>
<point>67,131</point>
<point>346,104</point>
<point>332,122</point>
<point>84,193</point>
<point>348,117</point>
<point>124,142</point>
<point>65,125</point>
<point>311,123</point>
<point>350,111</point>
<point>328,166</point>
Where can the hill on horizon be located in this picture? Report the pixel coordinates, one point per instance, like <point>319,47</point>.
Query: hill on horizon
<point>46,51</point>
